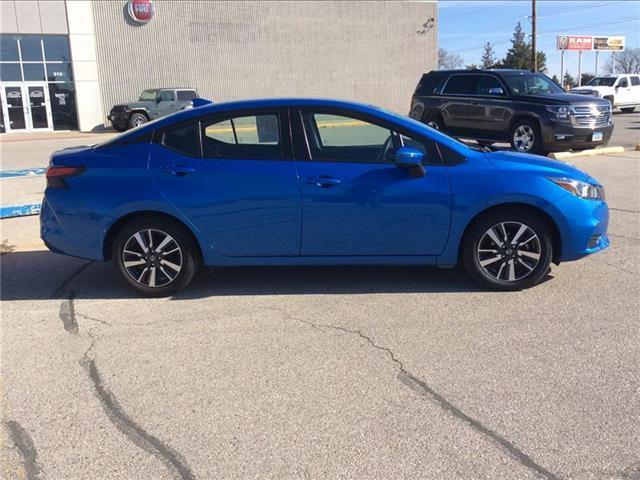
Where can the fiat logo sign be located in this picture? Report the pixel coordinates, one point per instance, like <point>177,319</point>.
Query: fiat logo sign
<point>140,11</point>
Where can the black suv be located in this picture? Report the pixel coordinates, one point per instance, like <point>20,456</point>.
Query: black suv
<point>527,109</point>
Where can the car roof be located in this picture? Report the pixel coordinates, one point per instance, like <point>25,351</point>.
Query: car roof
<point>479,70</point>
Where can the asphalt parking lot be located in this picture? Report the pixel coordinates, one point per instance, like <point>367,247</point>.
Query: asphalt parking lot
<point>324,372</point>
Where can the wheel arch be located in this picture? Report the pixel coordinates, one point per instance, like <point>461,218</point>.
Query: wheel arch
<point>115,227</point>
<point>556,239</point>
<point>522,116</point>
<point>142,111</point>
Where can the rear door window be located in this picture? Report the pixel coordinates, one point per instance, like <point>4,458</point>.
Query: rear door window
<point>183,139</point>
<point>248,137</point>
<point>462,85</point>
<point>635,81</point>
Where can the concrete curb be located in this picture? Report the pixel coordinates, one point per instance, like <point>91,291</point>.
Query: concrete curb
<point>20,210</point>
<point>586,153</point>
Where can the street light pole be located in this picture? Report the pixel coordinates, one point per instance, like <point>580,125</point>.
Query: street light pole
<point>534,56</point>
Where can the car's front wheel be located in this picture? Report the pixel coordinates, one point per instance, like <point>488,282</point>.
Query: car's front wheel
<point>137,119</point>
<point>155,256</point>
<point>508,250</point>
<point>526,137</point>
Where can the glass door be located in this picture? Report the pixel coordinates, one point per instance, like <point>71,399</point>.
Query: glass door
<point>15,108</point>
<point>40,110</point>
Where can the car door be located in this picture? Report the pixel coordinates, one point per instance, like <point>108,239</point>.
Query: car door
<point>355,201</point>
<point>239,186</point>
<point>166,103</point>
<point>462,110</point>
<point>496,114</point>
<point>624,95</point>
<point>635,89</point>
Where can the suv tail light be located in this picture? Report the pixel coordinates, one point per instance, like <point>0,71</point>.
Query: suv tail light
<point>56,175</point>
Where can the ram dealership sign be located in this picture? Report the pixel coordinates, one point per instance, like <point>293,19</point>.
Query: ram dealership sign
<point>589,42</point>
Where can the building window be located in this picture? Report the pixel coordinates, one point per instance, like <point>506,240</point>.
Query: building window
<point>10,72</point>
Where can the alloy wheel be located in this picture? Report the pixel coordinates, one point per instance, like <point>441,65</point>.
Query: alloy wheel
<point>433,124</point>
<point>152,258</point>
<point>139,120</point>
<point>523,138</point>
<point>509,251</point>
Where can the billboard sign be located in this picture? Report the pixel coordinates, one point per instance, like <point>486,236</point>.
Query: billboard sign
<point>575,42</point>
<point>612,44</point>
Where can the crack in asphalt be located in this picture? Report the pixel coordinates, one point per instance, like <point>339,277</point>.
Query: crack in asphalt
<point>624,210</point>
<point>174,462</point>
<point>21,439</point>
<point>423,389</point>
<point>68,314</point>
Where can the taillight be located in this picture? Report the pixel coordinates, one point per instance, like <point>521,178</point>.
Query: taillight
<point>56,175</point>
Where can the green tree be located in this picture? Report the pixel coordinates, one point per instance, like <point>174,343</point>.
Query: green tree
<point>473,66</point>
<point>488,59</point>
<point>568,80</point>
<point>555,79</point>
<point>586,78</point>
<point>519,55</point>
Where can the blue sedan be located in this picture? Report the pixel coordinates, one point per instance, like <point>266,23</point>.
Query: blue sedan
<point>314,182</point>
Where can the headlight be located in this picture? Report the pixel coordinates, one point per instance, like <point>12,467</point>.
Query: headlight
<point>560,113</point>
<point>580,189</point>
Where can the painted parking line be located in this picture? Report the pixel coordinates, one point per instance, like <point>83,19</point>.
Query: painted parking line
<point>20,210</point>
<point>25,172</point>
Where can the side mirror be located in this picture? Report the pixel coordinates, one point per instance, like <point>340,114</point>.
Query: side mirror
<point>496,91</point>
<point>411,159</point>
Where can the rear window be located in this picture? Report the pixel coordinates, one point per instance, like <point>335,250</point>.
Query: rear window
<point>635,80</point>
<point>430,84</point>
<point>183,139</point>
<point>462,85</point>
<point>186,95</point>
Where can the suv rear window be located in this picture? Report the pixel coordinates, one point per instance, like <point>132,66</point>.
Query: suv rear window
<point>430,84</point>
<point>186,95</point>
<point>635,80</point>
<point>462,85</point>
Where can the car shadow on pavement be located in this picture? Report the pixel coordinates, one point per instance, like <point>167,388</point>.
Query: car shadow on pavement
<point>42,275</point>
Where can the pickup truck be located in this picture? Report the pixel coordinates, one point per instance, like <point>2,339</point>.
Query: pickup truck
<point>622,90</point>
<point>152,104</point>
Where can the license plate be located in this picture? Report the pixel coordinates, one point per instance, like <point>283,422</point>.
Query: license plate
<point>596,137</point>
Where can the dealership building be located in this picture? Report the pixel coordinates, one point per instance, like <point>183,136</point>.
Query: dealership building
<point>64,64</point>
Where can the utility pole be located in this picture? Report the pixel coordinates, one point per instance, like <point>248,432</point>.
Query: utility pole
<point>534,56</point>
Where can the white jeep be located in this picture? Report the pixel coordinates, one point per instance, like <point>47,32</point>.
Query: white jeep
<point>623,90</point>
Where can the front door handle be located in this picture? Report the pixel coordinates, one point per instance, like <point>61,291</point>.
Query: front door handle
<point>323,181</point>
<point>178,170</point>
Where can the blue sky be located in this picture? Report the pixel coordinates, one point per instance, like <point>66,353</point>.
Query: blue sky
<point>465,26</point>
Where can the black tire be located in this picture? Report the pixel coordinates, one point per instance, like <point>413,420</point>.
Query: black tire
<point>479,264</point>
<point>436,122</point>
<point>628,109</point>
<point>530,127</point>
<point>136,119</point>
<point>187,258</point>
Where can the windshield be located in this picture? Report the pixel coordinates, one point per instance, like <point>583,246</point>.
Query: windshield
<point>602,82</point>
<point>148,95</point>
<point>524,83</point>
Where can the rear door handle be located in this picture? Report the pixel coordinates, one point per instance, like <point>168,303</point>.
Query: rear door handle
<point>323,181</point>
<point>178,170</point>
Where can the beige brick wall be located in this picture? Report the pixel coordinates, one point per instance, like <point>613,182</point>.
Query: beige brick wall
<point>368,51</point>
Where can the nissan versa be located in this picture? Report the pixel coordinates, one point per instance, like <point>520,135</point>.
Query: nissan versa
<point>314,182</point>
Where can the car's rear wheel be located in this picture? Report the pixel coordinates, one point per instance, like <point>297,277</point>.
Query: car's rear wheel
<point>628,109</point>
<point>526,137</point>
<point>155,257</point>
<point>508,250</point>
<point>136,119</point>
<point>435,122</point>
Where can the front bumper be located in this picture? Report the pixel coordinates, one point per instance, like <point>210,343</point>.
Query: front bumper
<point>559,137</point>
<point>120,119</point>
<point>584,229</point>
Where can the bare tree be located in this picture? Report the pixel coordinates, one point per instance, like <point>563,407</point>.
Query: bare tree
<point>626,62</point>
<point>448,61</point>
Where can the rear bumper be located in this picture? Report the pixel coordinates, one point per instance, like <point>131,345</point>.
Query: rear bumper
<point>54,231</point>
<point>558,137</point>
